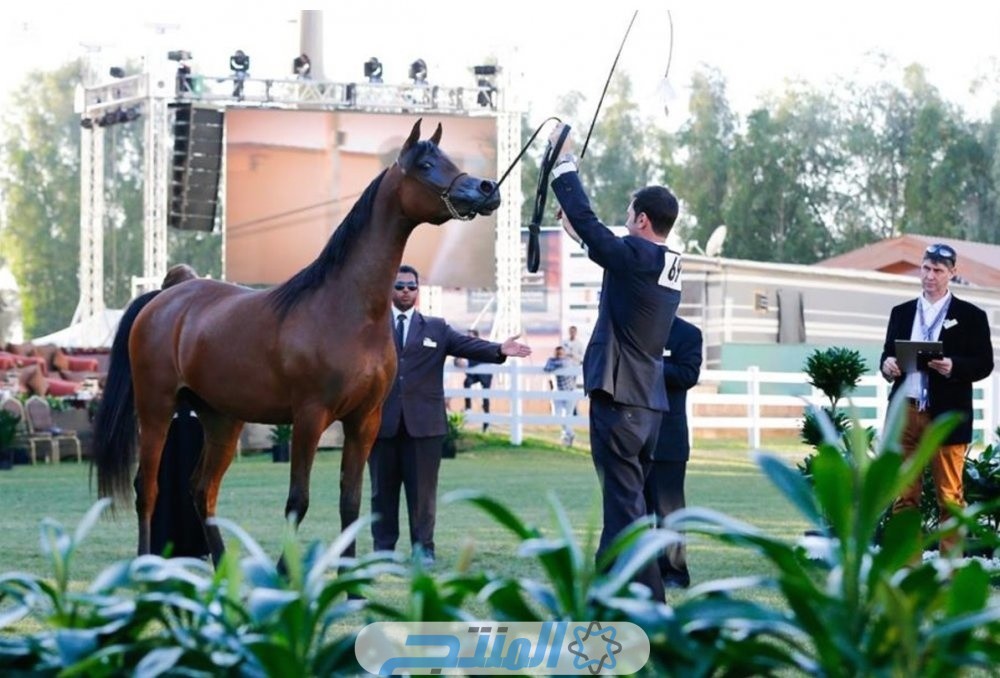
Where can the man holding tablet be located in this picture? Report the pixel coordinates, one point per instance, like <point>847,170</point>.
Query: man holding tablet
<point>938,382</point>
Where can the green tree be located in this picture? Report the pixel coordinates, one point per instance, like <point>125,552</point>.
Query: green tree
<point>781,177</point>
<point>943,163</point>
<point>202,251</point>
<point>918,166</point>
<point>123,201</point>
<point>622,155</point>
<point>706,141</point>
<point>39,179</point>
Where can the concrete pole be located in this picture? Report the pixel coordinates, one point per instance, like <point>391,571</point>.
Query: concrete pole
<point>311,41</point>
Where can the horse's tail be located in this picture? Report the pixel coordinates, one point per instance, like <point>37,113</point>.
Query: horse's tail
<point>115,430</point>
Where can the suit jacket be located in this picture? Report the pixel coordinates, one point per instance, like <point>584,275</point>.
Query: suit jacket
<point>625,355</point>
<point>966,341</point>
<point>417,394</point>
<point>681,369</point>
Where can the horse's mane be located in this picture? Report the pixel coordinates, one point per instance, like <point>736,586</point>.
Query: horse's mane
<point>284,297</point>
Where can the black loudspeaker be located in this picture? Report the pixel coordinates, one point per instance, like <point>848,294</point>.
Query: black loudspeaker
<point>195,169</point>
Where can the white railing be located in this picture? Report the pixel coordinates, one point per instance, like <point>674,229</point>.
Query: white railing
<point>745,398</point>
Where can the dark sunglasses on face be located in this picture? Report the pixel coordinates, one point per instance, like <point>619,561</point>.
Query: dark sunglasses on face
<point>405,286</point>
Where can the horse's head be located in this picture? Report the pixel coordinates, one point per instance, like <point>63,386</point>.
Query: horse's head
<point>434,190</point>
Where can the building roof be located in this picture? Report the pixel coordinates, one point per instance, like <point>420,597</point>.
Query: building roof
<point>978,263</point>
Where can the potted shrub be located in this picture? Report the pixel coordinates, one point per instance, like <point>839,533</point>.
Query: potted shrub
<point>8,432</point>
<point>449,448</point>
<point>836,372</point>
<point>281,442</point>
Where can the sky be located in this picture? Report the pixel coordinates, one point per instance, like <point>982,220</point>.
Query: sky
<point>546,48</point>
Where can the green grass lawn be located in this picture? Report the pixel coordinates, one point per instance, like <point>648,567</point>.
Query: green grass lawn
<point>254,491</point>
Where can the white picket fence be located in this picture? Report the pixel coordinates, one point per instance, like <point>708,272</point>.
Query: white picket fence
<point>515,385</point>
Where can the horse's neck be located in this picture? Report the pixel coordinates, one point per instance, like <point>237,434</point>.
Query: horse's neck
<point>376,256</point>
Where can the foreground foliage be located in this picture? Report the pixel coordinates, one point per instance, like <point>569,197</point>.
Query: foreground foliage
<point>841,607</point>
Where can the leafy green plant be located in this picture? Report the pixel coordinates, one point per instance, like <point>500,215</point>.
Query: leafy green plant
<point>9,423</point>
<point>151,615</point>
<point>849,608</point>
<point>982,481</point>
<point>281,434</point>
<point>835,371</point>
<point>456,424</point>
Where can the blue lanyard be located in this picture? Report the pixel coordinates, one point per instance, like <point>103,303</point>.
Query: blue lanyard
<point>928,332</point>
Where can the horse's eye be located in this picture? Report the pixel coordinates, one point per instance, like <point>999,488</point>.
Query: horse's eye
<point>426,165</point>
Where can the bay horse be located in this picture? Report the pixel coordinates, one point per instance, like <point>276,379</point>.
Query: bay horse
<point>316,349</point>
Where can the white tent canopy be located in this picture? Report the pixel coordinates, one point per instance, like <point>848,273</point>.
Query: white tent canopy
<point>96,332</point>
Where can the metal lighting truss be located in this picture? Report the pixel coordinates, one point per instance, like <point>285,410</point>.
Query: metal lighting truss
<point>152,95</point>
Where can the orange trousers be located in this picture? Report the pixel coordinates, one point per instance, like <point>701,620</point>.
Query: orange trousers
<point>946,470</point>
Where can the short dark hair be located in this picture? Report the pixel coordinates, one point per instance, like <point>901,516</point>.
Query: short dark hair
<point>178,274</point>
<point>659,205</point>
<point>405,268</point>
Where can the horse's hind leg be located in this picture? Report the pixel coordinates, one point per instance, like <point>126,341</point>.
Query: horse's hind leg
<point>221,437</point>
<point>153,427</point>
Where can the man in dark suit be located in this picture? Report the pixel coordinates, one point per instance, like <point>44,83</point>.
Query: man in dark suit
<point>945,385</point>
<point>407,450</point>
<point>623,363</point>
<point>665,482</point>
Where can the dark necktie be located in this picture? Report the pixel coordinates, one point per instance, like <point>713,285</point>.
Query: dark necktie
<point>399,331</point>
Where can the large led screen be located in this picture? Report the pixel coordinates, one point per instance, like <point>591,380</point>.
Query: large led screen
<point>292,176</point>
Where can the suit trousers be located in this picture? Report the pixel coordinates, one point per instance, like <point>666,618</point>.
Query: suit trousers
<point>176,525</point>
<point>946,470</point>
<point>622,440</point>
<point>412,463</point>
<point>664,495</point>
<point>485,381</point>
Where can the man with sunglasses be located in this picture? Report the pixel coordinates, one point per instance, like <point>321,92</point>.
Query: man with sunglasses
<point>623,363</point>
<point>945,385</point>
<point>407,451</point>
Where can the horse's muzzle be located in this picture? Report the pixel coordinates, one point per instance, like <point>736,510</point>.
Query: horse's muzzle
<point>490,197</point>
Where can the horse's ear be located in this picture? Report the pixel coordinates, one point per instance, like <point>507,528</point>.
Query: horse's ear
<point>413,138</point>
<point>436,138</point>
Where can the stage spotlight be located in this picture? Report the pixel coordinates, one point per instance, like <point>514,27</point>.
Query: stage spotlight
<point>131,114</point>
<point>418,72</point>
<point>301,66</point>
<point>373,70</point>
<point>117,72</point>
<point>109,118</point>
<point>86,123</point>
<point>179,55</point>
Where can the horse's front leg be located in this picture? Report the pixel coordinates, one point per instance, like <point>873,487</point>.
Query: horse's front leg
<point>307,428</point>
<point>359,436</point>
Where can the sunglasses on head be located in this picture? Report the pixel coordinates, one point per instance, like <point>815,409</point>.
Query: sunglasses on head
<point>941,251</point>
<point>405,286</point>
